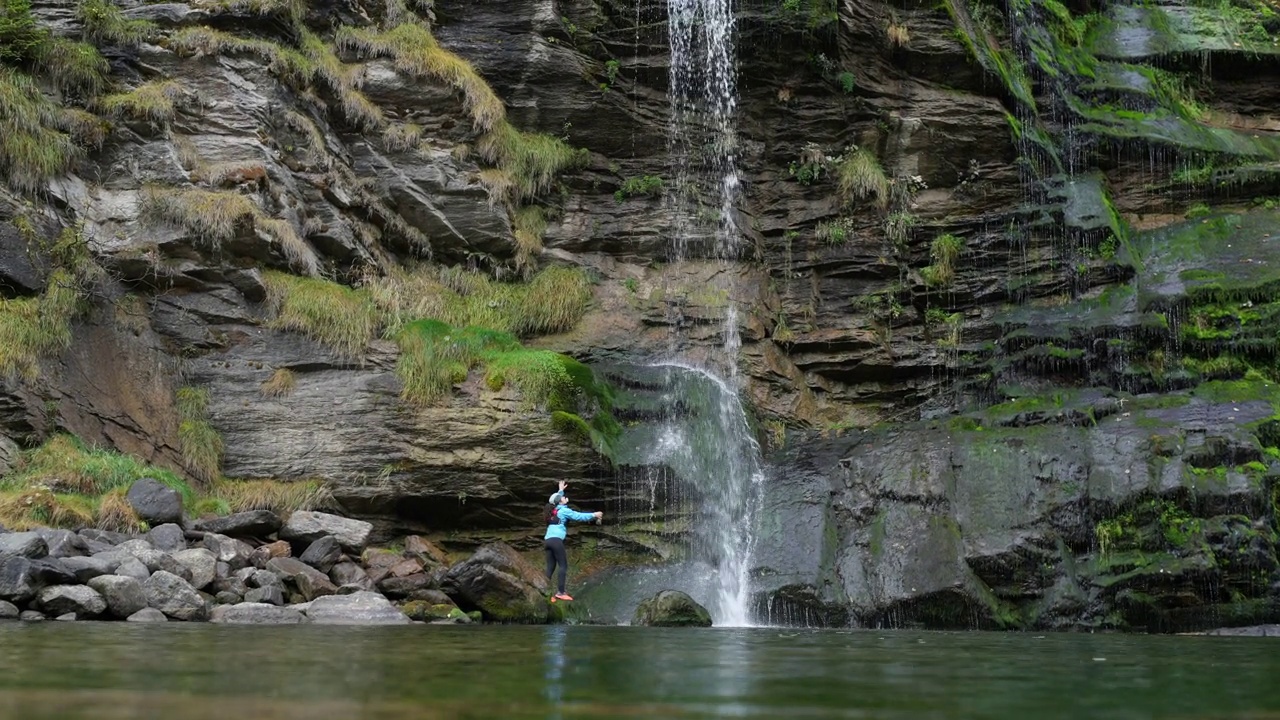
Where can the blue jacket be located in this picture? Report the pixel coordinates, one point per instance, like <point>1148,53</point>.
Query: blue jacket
<point>564,514</point>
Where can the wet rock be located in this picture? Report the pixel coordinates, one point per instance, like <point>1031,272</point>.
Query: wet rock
<point>409,585</point>
<point>124,595</point>
<point>263,579</point>
<point>86,568</point>
<point>51,571</point>
<point>361,608</point>
<point>305,527</point>
<point>155,560</point>
<point>257,613</point>
<point>200,564</point>
<point>500,583</point>
<point>1250,631</point>
<point>167,538</point>
<point>155,502</point>
<point>31,616</point>
<point>232,585</point>
<point>147,615</point>
<point>424,611</point>
<point>322,554</point>
<point>66,617</point>
<point>174,597</point>
<point>311,583</point>
<point>8,611</point>
<point>16,581</point>
<point>62,543</point>
<point>253,523</point>
<point>106,537</point>
<point>78,600</point>
<point>24,544</point>
<point>425,550</point>
<point>226,597</point>
<point>671,608</point>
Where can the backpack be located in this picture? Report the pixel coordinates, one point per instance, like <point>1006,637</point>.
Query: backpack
<point>550,516</point>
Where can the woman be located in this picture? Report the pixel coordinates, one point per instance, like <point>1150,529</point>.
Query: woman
<point>558,513</point>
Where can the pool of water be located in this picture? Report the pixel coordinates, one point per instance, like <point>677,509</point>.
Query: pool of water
<point>177,672</point>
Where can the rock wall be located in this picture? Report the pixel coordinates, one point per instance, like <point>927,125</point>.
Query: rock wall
<point>1016,218</point>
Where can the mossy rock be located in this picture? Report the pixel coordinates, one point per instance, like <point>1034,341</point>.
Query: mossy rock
<point>671,608</point>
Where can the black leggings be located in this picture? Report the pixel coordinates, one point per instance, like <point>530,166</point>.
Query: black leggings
<point>556,556</point>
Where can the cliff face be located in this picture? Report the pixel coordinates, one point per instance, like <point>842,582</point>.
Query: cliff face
<point>1028,243</point>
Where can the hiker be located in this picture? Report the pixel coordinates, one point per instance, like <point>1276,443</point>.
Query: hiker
<point>558,513</point>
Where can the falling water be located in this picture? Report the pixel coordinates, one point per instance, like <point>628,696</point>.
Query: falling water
<point>713,449</point>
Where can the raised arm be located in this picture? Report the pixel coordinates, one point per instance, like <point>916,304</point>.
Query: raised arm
<point>569,514</point>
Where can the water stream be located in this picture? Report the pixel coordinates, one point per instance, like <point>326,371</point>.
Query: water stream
<point>713,450</point>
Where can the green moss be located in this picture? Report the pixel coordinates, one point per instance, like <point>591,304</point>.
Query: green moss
<point>104,23</point>
<point>338,316</point>
<point>649,186</point>
<point>34,328</point>
<point>201,445</point>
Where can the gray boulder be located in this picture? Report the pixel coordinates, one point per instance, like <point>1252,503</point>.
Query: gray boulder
<point>8,611</point>
<point>155,502</point>
<point>105,537</point>
<point>200,563</point>
<point>501,583</point>
<point>362,608</point>
<point>311,583</point>
<point>347,573</point>
<point>154,559</point>
<point>24,544</point>
<point>167,538</point>
<point>322,554</point>
<point>81,601</point>
<point>255,613</point>
<point>174,597</point>
<point>147,615</point>
<point>264,578</point>
<point>235,553</point>
<point>31,616</point>
<point>63,543</point>
<point>86,568</point>
<point>254,523</point>
<point>226,597</point>
<point>671,608</point>
<point>16,581</point>
<point>51,571</point>
<point>305,527</point>
<point>271,595</point>
<point>133,568</point>
<point>124,595</point>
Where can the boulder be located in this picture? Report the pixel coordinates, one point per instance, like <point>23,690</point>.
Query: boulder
<point>86,568</point>
<point>403,587</point>
<point>226,597</point>
<point>347,573</point>
<point>253,523</point>
<point>671,608</point>
<point>81,601</point>
<point>105,537</point>
<point>264,578</point>
<point>306,526</point>
<point>167,538</point>
<point>201,565</point>
<point>155,502</point>
<point>154,559</point>
<point>133,568</point>
<point>24,544</point>
<point>63,543</point>
<point>361,608</point>
<point>311,583</point>
<point>256,613</point>
<point>230,584</point>
<point>500,583</point>
<point>322,554</point>
<point>124,595</point>
<point>271,595</point>
<point>51,571</point>
<point>31,616</point>
<point>425,550</point>
<point>147,615</point>
<point>265,553</point>
<point>174,597</point>
<point>235,553</point>
<point>8,611</point>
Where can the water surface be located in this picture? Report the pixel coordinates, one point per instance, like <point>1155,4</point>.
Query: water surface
<point>184,672</point>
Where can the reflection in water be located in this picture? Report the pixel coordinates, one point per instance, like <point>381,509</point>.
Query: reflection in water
<point>553,652</point>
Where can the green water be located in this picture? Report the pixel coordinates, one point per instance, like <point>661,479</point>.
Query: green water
<point>179,672</point>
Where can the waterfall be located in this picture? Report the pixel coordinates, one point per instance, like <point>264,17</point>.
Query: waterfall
<point>713,448</point>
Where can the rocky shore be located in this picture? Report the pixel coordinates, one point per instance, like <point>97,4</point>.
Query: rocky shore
<point>256,567</point>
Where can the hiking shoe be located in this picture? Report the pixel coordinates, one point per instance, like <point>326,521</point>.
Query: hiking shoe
<point>561,596</point>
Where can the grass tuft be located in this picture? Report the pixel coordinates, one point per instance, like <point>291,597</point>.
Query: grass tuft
<point>860,177</point>
<point>402,137</point>
<point>282,497</point>
<point>530,223</point>
<point>154,102</point>
<point>104,24</point>
<point>201,444</point>
<point>415,52</point>
<point>281,383</point>
<point>31,328</point>
<point>944,251</point>
<point>73,66</point>
<point>338,316</point>
<point>530,160</point>
<point>33,146</point>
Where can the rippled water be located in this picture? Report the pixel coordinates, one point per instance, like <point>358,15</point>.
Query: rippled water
<point>176,672</point>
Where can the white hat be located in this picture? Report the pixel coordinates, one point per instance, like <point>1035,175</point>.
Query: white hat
<point>552,500</point>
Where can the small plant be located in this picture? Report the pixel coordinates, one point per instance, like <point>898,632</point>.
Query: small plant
<point>1198,210</point>
<point>104,23</point>
<point>897,228</point>
<point>847,82</point>
<point>281,383</point>
<point>898,34</point>
<point>811,166</point>
<point>632,285</point>
<point>342,318</point>
<point>834,232</point>
<point>944,252</point>
<point>201,444</point>
<point>647,186</point>
<point>36,327</point>
<point>611,69</point>
<point>153,101</point>
<point>861,178</point>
